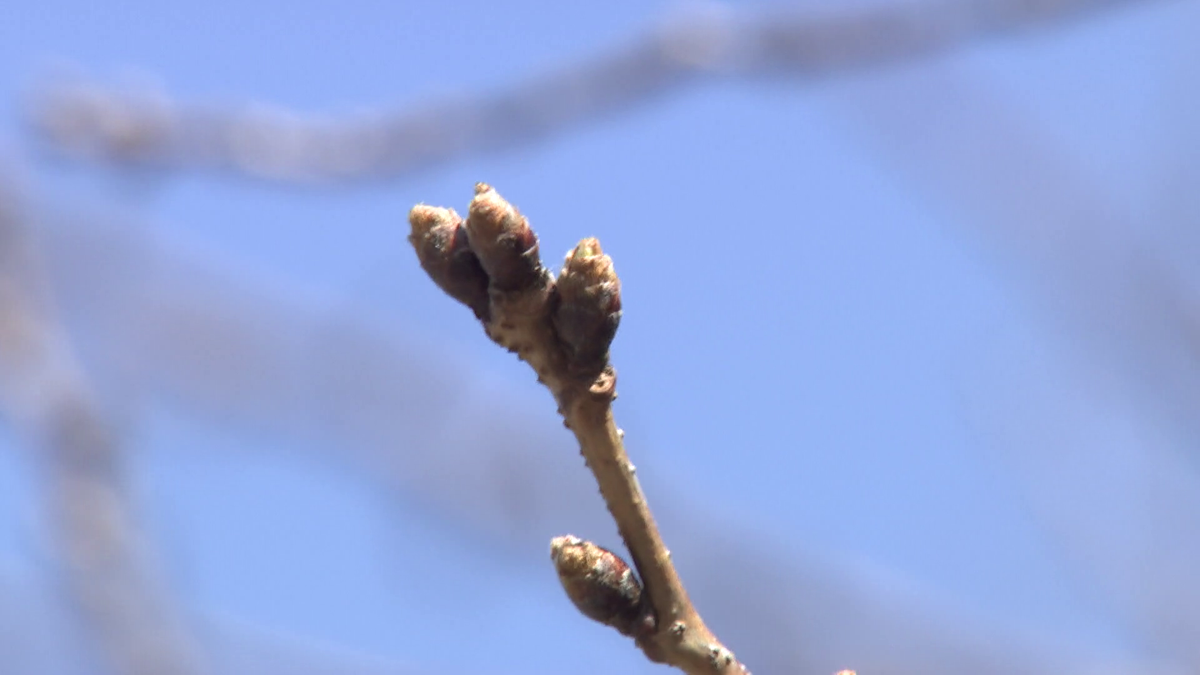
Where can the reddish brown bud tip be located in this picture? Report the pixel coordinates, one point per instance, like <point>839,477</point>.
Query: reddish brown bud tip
<point>589,310</point>
<point>600,584</point>
<point>501,237</point>
<point>440,240</point>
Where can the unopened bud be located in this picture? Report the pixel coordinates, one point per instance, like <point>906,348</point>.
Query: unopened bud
<point>589,309</point>
<point>501,237</point>
<point>440,240</point>
<point>600,584</point>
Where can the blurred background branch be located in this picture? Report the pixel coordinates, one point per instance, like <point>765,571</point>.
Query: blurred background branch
<point>148,129</point>
<point>1132,323</point>
<point>97,545</point>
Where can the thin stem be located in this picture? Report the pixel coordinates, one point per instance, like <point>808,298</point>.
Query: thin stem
<point>562,328</point>
<point>682,639</point>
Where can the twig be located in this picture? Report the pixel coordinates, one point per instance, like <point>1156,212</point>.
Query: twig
<point>809,611</point>
<point>152,131</point>
<point>563,329</point>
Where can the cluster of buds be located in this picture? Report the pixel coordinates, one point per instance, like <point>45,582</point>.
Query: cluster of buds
<point>494,253</point>
<point>601,585</point>
<point>563,329</point>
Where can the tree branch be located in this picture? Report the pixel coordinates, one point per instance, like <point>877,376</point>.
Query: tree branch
<point>121,128</point>
<point>563,329</point>
<point>502,476</point>
<point>681,639</point>
<point>98,542</point>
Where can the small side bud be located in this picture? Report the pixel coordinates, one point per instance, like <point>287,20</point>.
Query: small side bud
<point>600,584</point>
<point>440,240</point>
<point>589,309</point>
<point>501,237</point>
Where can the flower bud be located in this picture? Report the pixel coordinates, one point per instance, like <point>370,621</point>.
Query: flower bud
<point>440,240</point>
<point>589,309</point>
<point>501,237</point>
<point>600,584</point>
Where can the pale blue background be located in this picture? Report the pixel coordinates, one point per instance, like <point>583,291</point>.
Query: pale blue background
<point>830,345</point>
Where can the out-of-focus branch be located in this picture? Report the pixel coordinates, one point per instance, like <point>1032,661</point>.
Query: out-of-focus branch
<point>1120,506</point>
<point>1095,272</point>
<point>96,540</point>
<point>124,128</point>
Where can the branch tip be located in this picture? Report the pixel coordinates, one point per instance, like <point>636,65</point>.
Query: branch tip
<point>442,247</point>
<point>589,310</point>
<point>501,237</point>
<point>563,330</point>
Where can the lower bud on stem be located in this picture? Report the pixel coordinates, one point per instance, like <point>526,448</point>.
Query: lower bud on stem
<point>601,585</point>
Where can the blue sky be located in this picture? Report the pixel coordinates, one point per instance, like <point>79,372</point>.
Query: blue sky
<point>847,339</point>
